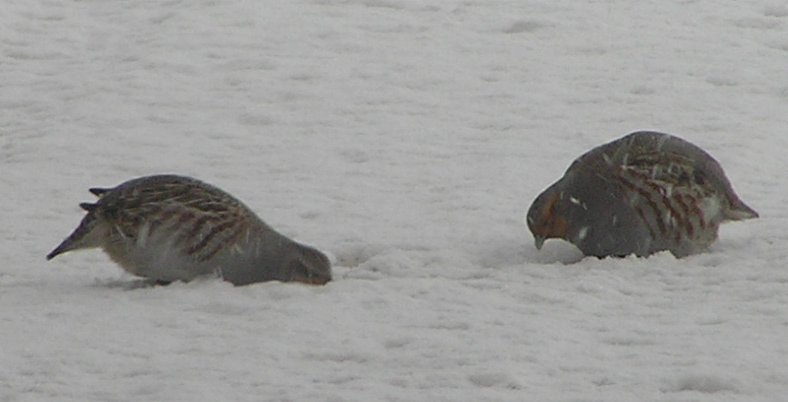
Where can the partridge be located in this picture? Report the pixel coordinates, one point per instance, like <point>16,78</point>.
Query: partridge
<point>169,228</point>
<point>643,193</point>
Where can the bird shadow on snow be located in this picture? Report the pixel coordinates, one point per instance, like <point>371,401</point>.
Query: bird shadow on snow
<point>126,283</point>
<point>553,252</point>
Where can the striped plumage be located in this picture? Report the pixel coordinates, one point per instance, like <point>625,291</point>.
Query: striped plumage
<point>170,228</point>
<point>640,194</point>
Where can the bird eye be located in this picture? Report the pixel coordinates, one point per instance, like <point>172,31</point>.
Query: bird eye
<point>699,178</point>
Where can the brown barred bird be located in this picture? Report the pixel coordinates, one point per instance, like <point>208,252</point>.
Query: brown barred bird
<point>643,193</point>
<point>169,228</point>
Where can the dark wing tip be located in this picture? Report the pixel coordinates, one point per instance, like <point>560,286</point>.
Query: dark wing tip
<point>98,191</point>
<point>87,206</point>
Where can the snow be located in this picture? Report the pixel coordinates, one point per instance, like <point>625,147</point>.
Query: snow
<point>406,139</point>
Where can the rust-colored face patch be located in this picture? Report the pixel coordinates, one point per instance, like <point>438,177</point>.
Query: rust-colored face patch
<point>547,223</point>
<point>559,228</point>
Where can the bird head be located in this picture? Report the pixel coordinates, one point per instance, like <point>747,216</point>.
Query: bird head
<point>545,217</point>
<point>310,266</point>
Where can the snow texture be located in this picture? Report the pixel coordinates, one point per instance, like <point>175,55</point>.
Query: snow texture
<point>406,139</point>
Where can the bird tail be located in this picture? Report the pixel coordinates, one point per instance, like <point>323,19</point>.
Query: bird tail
<point>88,234</point>
<point>740,211</point>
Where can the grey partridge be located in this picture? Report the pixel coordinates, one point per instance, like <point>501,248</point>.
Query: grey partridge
<point>168,228</point>
<point>643,193</point>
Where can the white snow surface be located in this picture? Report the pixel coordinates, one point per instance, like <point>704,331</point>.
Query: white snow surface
<point>406,139</point>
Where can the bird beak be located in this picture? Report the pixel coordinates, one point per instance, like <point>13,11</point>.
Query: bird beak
<point>538,242</point>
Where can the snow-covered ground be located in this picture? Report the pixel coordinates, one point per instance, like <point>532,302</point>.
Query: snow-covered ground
<point>406,139</point>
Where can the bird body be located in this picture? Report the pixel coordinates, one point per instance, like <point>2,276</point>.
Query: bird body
<point>640,194</point>
<point>169,228</point>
